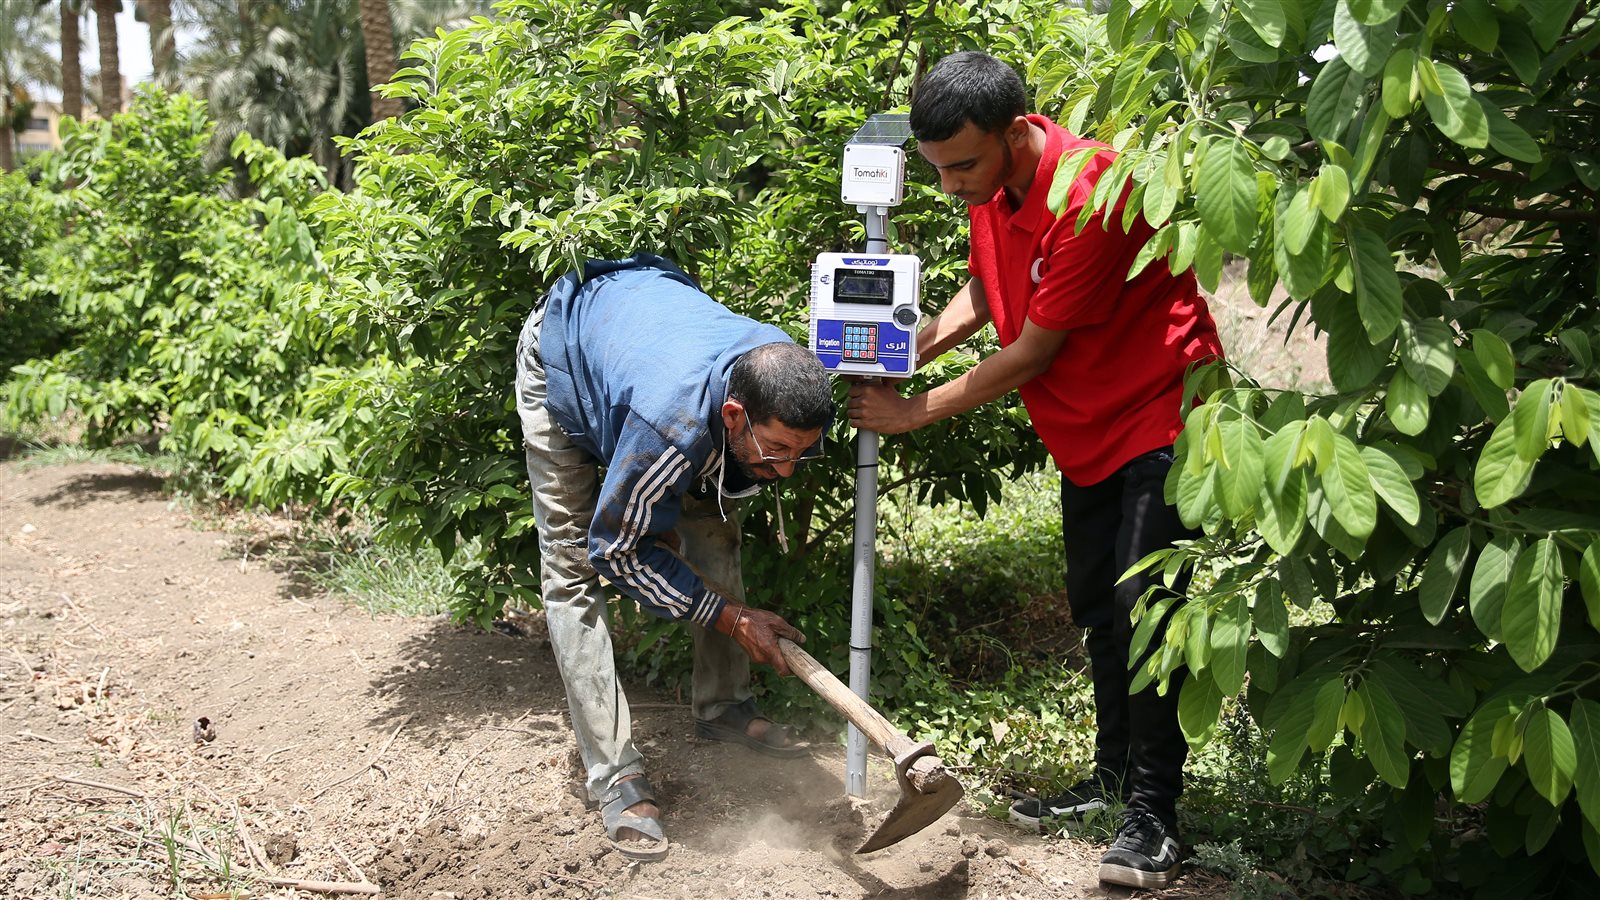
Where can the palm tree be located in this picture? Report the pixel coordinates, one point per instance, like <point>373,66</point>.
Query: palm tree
<point>377,33</point>
<point>71,55</point>
<point>157,15</point>
<point>26,36</point>
<point>105,18</point>
<point>292,73</point>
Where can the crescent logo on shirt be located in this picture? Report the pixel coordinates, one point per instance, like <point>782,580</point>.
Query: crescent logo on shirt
<point>1035,272</point>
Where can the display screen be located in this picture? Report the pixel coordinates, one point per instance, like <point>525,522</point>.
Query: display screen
<point>863,286</point>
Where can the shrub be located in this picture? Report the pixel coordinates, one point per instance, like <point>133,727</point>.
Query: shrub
<point>1426,197</point>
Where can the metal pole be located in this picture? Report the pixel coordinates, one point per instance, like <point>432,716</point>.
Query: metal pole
<point>866,556</point>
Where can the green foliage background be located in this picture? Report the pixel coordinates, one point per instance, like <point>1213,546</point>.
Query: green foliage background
<point>1399,581</point>
<point>1426,198</point>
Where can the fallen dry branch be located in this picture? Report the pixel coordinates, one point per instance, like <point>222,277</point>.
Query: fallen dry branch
<point>250,845</point>
<point>364,767</point>
<point>101,785</point>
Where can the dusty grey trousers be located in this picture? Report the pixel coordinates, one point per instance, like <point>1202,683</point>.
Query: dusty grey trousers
<point>565,484</point>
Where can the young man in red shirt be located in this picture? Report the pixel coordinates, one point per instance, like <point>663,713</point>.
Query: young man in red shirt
<point>1099,361</point>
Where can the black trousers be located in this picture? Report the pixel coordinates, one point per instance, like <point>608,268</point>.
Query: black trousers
<point>1107,527</point>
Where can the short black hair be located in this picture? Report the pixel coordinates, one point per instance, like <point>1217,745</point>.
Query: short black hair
<point>782,381</point>
<point>966,87</point>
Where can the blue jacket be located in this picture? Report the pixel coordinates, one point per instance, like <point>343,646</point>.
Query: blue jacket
<point>637,359</point>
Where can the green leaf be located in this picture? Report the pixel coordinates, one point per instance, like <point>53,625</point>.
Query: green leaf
<point>1227,194</point>
<point>1348,487</point>
<point>1532,417</point>
<point>1576,342</point>
<point>1550,20</point>
<point>1502,474</point>
<point>1295,222</point>
<point>1267,18</point>
<point>1475,21</point>
<point>1389,481</point>
<point>1317,444</point>
<point>1282,519</point>
<point>1474,767</point>
<point>1506,136</point>
<point>1271,617</point>
<point>1576,422</point>
<point>1335,98</point>
<point>1354,361</point>
<point>1364,47</point>
<point>1422,713</point>
<point>1375,12</point>
<point>1494,354</point>
<point>1325,713</point>
<point>1407,403</point>
<point>1531,617</point>
<point>1384,733</point>
<point>1288,718</point>
<point>1399,73</point>
<point>1428,350</point>
<point>1549,755</point>
<point>1302,271</point>
<point>1585,717</point>
<point>1490,577</point>
<point>1298,585</point>
<point>1330,191</point>
<point>1442,574</point>
<point>1230,641</point>
<point>1160,195</point>
<point>1199,705</point>
<point>1378,296</point>
<point>1455,110</point>
<point>1241,468</point>
<point>1589,581</point>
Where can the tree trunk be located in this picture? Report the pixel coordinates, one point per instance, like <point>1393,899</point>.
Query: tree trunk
<point>377,30</point>
<point>7,135</point>
<point>71,61</point>
<point>158,15</point>
<point>105,18</point>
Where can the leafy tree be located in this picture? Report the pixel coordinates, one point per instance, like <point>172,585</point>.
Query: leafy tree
<point>30,321</point>
<point>563,130</point>
<point>1419,177</point>
<point>186,304</point>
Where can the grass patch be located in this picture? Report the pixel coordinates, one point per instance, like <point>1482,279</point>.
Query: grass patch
<point>39,454</point>
<point>384,579</point>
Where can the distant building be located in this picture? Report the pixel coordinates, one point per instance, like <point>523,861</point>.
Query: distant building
<point>43,131</point>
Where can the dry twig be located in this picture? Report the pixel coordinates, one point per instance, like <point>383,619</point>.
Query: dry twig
<point>354,869</point>
<point>251,847</point>
<point>362,769</point>
<point>101,785</point>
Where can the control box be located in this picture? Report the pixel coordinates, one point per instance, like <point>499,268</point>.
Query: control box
<point>874,175</point>
<point>864,313</point>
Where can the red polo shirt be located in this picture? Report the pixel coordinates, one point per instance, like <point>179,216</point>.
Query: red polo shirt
<point>1115,389</point>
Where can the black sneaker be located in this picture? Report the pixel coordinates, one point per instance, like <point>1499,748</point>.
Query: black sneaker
<point>1144,854</point>
<point>1083,798</point>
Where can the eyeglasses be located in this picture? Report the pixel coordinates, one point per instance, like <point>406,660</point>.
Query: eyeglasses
<point>805,455</point>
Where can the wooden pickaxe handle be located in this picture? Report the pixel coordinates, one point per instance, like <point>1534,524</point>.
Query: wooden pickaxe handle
<point>858,711</point>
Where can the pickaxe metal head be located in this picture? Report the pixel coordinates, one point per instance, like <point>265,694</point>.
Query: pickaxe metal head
<point>927,791</point>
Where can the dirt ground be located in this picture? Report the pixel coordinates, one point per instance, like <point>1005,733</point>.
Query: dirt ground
<point>176,710</point>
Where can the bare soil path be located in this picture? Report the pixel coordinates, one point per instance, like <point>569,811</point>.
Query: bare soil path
<point>404,756</point>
